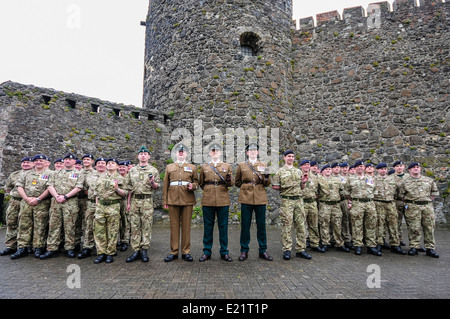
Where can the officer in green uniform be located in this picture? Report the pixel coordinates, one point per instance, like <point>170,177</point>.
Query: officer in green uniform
<point>384,191</point>
<point>142,181</point>
<point>215,178</point>
<point>64,185</point>
<point>330,214</point>
<point>109,190</point>
<point>34,208</point>
<point>418,193</point>
<point>290,181</point>
<point>89,188</point>
<point>252,178</point>
<point>359,192</point>
<point>12,212</point>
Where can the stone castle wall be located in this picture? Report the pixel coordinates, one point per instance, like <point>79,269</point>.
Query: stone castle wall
<point>353,87</point>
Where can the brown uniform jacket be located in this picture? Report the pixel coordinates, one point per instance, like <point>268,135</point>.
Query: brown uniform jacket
<point>215,190</point>
<point>253,190</point>
<point>175,194</point>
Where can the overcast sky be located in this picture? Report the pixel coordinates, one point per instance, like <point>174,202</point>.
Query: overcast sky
<point>92,47</point>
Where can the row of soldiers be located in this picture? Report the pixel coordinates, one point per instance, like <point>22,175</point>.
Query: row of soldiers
<point>110,202</point>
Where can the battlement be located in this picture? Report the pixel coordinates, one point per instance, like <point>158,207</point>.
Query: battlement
<point>375,11</point>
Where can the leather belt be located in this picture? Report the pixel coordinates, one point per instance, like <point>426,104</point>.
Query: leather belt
<point>142,196</point>
<point>215,183</point>
<point>179,183</point>
<point>291,197</point>
<point>362,200</point>
<point>109,202</point>
<point>418,202</point>
<point>309,200</point>
<point>253,183</point>
<point>383,201</point>
<point>331,202</point>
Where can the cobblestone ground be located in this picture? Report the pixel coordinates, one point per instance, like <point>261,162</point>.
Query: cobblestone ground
<point>333,275</point>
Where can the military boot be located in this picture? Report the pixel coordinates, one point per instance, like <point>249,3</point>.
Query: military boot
<point>135,256</point>
<point>430,252</point>
<point>413,251</point>
<point>49,254</point>
<point>38,252</point>
<point>144,255</point>
<point>8,251</point>
<point>373,251</point>
<point>86,252</point>
<point>21,252</point>
<point>398,250</point>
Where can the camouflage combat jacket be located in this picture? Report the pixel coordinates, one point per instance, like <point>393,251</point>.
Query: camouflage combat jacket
<point>10,185</point>
<point>311,187</point>
<point>330,188</point>
<point>385,187</point>
<point>357,187</point>
<point>104,186</point>
<point>417,188</point>
<point>34,183</point>
<point>138,181</point>
<point>64,180</point>
<point>289,180</point>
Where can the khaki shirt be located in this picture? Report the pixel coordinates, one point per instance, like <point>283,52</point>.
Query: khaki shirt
<point>104,186</point>
<point>64,181</point>
<point>311,187</point>
<point>289,180</point>
<point>357,187</point>
<point>417,188</point>
<point>34,183</point>
<point>138,181</point>
<point>385,187</point>
<point>330,188</point>
<point>252,187</point>
<point>215,194</point>
<point>180,195</point>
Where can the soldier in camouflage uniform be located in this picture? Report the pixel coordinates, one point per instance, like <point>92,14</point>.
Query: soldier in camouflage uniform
<point>418,193</point>
<point>141,181</point>
<point>385,189</point>
<point>12,212</point>
<point>34,209</point>
<point>330,215</point>
<point>89,188</point>
<point>346,229</point>
<point>290,181</point>
<point>399,168</point>
<point>309,196</point>
<point>124,228</point>
<point>64,185</point>
<point>59,164</point>
<point>109,190</point>
<point>359,192</point>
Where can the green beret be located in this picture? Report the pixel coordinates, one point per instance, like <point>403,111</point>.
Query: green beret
<point>143,149</point>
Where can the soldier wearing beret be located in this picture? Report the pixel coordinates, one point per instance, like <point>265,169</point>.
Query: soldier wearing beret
<point>142,180</point>
<point>346,225</point>
<point>12,212</point>
<point>370,170</point>
<point>87,160</point>
<point>290,181</point>
<point>124,229</point>
<point>385,189</point>
<point>109,190</point>
<point>215,178</point>
<point>309,195</point>
<point>359,190</point>
<point>64,185</point>
<point>89,188</point>
<point>330,215</point>
<point>252,177</point>
<point>399,169</point>
<point>34,208</point>
<point>418,193</point>
<point>314,167</point>
<point>58,163</point>
<point>180,182</point>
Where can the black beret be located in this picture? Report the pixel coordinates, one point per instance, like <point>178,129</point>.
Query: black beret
<point>313,163</point>
<point>113,160</point>
<point>357,163</point>
<point>381,165</point>
<point>325,166</point>
<point>334,165</point>
<point>397,163</point>
<point>100,159</point>
<point>70,156</point>
<point>345,164</point>
<point>88,155</point>
<point>305,161</point>
<point>26,159</point>
<point>287,152</point>
<point>39,156</point>
<point>413,164</point>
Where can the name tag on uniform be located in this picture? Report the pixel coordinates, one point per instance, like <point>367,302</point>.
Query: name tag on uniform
<point>187,169</point>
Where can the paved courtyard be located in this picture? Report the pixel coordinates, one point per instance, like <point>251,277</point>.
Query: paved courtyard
<point>333,275</point>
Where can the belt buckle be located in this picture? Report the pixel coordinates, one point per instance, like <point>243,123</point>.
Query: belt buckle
<point>180,183</point>
<point>216,183</point>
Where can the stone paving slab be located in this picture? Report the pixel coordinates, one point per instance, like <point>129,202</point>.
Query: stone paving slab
<point>333,275</point>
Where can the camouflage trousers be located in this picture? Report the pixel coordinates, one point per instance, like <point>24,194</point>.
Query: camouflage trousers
<point>124,228</point>
<point>62,224</point>
<point>33,222</point>
<point>346,228</point>
<point>80,224</point>
<point>292,214</point>
<point>88,239</point>
<point>12,223</point>
<point>387,221</point>
<point>312,222</point>
<point>331,215</point>
<point>420,217</point>
<point>400,215</point>
<point>141,221</point>
<point>106,228</point>
<point>363,216</point>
